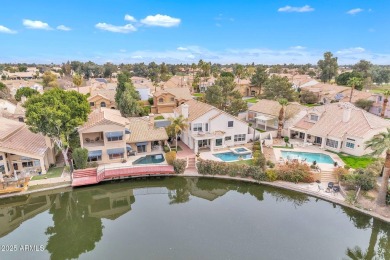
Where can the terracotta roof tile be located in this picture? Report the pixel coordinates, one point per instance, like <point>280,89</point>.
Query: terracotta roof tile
<point>142,131</point>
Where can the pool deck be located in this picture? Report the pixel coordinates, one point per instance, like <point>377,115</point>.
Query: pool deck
<point>312,149</point>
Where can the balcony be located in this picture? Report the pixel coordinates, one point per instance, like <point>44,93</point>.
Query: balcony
<point>93,139</point>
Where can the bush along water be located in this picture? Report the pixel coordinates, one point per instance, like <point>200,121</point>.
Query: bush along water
<point>179,166</point>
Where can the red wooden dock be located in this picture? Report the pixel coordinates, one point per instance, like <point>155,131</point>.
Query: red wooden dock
<point>93,175</point>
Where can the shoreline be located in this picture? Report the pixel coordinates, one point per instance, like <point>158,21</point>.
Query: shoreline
<point>276,184</point>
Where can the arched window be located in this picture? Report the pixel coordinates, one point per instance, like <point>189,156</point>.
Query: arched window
<point>103,104</point>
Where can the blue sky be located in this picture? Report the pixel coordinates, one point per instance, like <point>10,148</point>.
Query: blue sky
<point>174,31</point>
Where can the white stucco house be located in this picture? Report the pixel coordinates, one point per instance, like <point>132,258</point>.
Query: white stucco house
<point>211,128</point>
<point>339,127</point>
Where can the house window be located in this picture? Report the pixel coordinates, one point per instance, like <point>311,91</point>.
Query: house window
<point>314,118</point>
<point>94,158</point>
<point>114,136</point>
<point>27,164</point>
<point>239,138</point>
<point>350,143</point>
<point>197,127</point>
<point>21,119</point>
<point>91,104</point>
<point>141,148</point>
<point>1,157</point>
<point>160,100</point>
<point>103,104</point>
<point>332,143</point>
<point>116,156</point>
<point>228,138</point>
<point>207,127</point>
<point>218,142</point>
<point>172,99</point>
<point>230,123</point>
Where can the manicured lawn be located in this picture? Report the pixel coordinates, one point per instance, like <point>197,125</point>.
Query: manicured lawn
<point>312,105</point>
<point>284,147</point>
<point>51,173</point>
<point>198,94</point>
<point>252,100</point>
<point>246,162</point>
<point>261,131</point>
<point>355,161</point>
<point>173,148</point>
<point>159,117</point>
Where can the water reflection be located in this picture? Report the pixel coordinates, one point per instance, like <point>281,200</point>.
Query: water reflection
<point>78,216</point>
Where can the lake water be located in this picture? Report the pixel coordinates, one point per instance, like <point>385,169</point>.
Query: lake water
<point>185,218</point>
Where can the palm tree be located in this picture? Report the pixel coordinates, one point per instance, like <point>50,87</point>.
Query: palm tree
<point>78,81</point>
<point>178,124</point>
<point>386,94</point>
<point>353,83</point>
<point>238,71</point>
<point>356,253</point>
<point>379,144</point>
<point>283,102</point>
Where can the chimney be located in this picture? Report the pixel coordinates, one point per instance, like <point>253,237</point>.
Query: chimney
<point>151,120</point>
<point>184,110</point>
<point>347,109</point>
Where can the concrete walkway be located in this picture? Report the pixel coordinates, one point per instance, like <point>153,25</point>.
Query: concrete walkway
<point>185,152</point>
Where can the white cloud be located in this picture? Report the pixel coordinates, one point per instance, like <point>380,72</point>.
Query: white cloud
<point>355,11</point>
<point>298,47</point>
<point>349,51</point>
<point>160,20</point>
<point>117,29</point>
<point>30,24</point>
<point>191,56</point>
<point>130,18</point>
<point>63,28</point>
<point>290,9</point>
<point>4,29</point>
<point>182,49</point>
<point>137,57</point>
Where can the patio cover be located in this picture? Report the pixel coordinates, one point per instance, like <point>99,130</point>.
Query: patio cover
<point>142,143</point>
<point>95,153</point>
<point>115,150</point>
<point>114,134</point>
<point>264,118</point>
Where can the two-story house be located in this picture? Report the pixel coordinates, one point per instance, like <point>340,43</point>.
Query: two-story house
<point>110,138</point>
<point>165,101</point>
<point>339,127</point>
<point>264,115</point>
<point>211,128</point>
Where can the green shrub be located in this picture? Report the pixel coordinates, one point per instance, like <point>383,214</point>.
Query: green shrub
<point>259,159</point>
<point>256,147</point>
<point>166,149</point>
<point>286,139</point>
<point>347,167</point>
<point>80,158</point>
<point>270,164</point>
<point>360,178</point>
<point>170,157</point>
<point>159,117</point>
<point>179,165</point>
<point>150,100</point>
<point>294,172</point>
<point>271,175</point>
<point>209,167</point>
<point>92,165</point>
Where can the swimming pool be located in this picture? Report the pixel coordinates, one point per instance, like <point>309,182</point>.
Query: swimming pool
<point>310,157</point>
<point>230,156</point>
<point>150,159</point>
<point>241,150</point>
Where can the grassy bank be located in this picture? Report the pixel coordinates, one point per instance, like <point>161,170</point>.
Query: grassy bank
<point>51,173</point>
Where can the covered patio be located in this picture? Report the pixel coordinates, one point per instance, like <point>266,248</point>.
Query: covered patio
<point>266,122</point>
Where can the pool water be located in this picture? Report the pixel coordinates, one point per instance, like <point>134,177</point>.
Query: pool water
<point>230,156</point>
<point>310,157</point>
<point>150,159</point>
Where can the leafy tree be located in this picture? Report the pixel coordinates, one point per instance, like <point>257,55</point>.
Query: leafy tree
<point>259,78</point>
<point>227,74</point>
<point>283,102</point>
<point>277,87</point>
<point>238,70</point>
<point>363,67</point>
<point>343,78</point>
<point>328,67</point>
<point>57,114</point>
<point>80,157</point>
<point>48,79</point>
<point>108,69</point>
<point>177,126</point>
<point>66,68</point>
<point>22,68</point>
<point>276,69</point>
<point>380,75</point>
<point>364,104</point>
<point>128,102</point>
<point>312,73</point>
<point>78,81</point>
<point>26,92</point>
<point>379,144</point>
<point>352,83</point>
<point>308,97</point>
<point>224,96</point>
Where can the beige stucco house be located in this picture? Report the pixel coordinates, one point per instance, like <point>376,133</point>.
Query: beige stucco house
<point>22,150</point>
<point>165,101</point>
<point>110,138</point>
<point>339,127</point>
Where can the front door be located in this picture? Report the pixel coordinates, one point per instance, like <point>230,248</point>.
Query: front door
<point>301,135</point>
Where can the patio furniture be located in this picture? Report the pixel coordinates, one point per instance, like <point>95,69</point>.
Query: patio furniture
<point>97,139</point>
<point>87,140</point>
<point>320,188</point>
<point>330,185</point>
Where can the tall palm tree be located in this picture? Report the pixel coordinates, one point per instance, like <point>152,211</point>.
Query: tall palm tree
<point>178,124</point>
<point>379,144</point>
<point>78,81</point>
<point>353,83</point>
<point>386,94</point>
<point>356,253</point>
<point>283,102</point>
